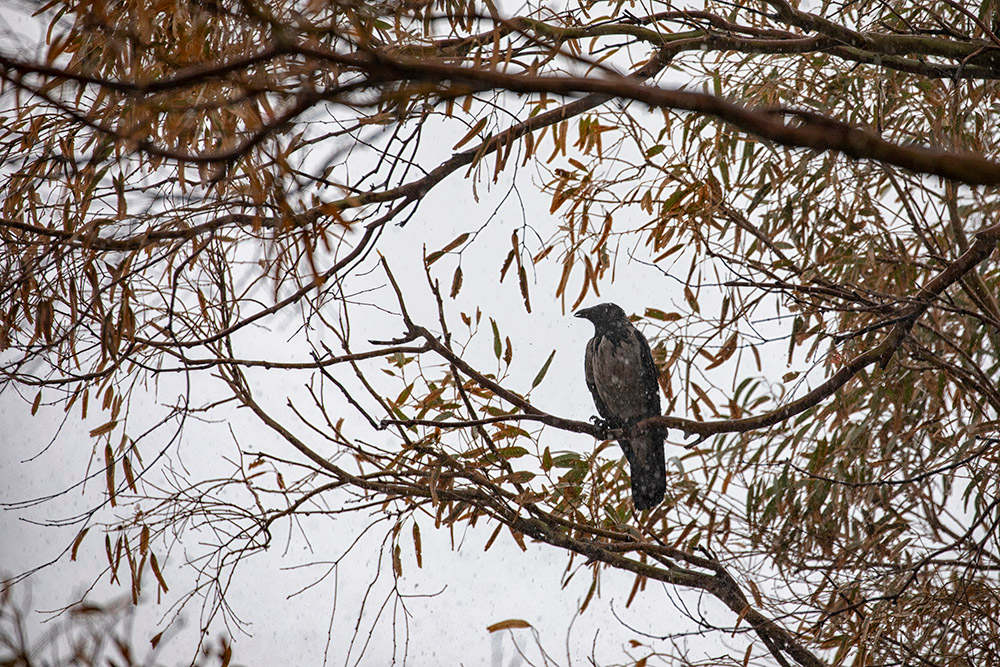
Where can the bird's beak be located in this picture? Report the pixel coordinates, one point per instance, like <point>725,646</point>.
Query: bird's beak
<point>584,312</point>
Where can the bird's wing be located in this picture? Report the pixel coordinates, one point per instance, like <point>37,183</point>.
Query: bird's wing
<point>648,376</point>
<point>588,369</point>
<point>646,462</point>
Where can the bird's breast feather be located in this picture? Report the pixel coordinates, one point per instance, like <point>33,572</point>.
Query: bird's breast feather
<point>617,375</point>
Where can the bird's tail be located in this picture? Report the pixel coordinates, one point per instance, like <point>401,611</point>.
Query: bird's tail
<point>648,469</point>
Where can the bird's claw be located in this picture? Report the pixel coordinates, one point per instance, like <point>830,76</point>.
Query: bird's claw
<point>602,425</point>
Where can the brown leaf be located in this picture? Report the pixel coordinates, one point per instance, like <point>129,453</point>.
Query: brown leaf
<point>509,624</point>
<point>493,537</point>
<point>519,539</point>
<point>103,428</point>
<point>129,473</point>
<point>657,314</point>
<point>416,544</point>
<point>76,543</point>
<point>690,298</point>
<point>156,571</point>
<point>397,561</point>
<point>727,350</point>
<point>523,280</point>
<point>437,254</point>
<point>109,468</point>
<point>471,133</point>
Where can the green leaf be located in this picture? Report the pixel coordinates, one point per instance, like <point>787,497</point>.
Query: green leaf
<point>403,395</point>
<point>519,477</point>
<point>673,199</point>
<point>565,460</point>
<point>512,452</point>
<point>544,369</point>
<point>497,345</point>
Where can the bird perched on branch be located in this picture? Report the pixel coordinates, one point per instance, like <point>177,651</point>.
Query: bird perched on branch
<point>621,377</point>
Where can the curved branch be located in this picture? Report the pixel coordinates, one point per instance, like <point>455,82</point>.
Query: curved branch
<point>811,131</point>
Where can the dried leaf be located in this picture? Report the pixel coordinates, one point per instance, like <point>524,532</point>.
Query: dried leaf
<point>657,314</point>
<point>109,469</point>
<point>493,537</point>
<point>509,624</point>
<point>156,571</point>
<point>690,298</point>
<point>77,541</point>
<point>471,133</point>
<point>519,538</point>
<point>523,281</point>
<point>438,254</point>
<point>725,352</point>
<point>103,428</point>
<point>129,473</point>
<point>416,544</point>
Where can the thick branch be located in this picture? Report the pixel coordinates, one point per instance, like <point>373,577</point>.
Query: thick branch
<point>810,131</point>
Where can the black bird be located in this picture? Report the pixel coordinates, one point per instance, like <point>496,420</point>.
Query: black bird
<point>621,377</point>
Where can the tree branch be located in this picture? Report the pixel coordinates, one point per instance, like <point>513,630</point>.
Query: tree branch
<point>812,131</point>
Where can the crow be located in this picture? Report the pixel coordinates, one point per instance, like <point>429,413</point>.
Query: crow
<point>621,377</point>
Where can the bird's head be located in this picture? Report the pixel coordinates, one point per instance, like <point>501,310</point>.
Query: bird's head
<point>603,315</point>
